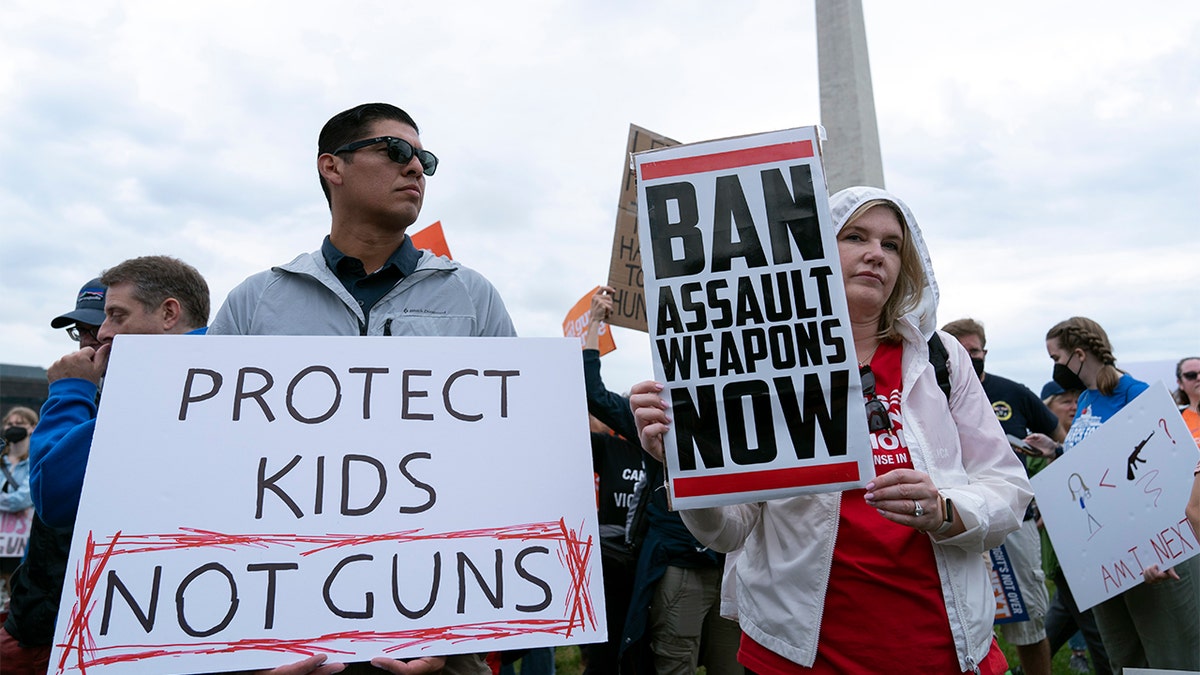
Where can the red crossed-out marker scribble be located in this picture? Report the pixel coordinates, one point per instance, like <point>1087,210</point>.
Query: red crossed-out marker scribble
<point>79,650</point>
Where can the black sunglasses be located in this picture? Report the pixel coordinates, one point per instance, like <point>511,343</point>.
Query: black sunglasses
<point>1190,375</point>
<point>79,330</point>
<point>877,414</point>
<point>398,150</point>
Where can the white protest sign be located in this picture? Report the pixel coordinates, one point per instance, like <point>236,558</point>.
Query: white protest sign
<point>1113,505</point>
<point>748,322</point>
<point>253,500</point>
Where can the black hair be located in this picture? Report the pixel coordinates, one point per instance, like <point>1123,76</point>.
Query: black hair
<point>351,125</point>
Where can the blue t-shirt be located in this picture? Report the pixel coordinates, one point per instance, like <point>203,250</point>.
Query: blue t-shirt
<point>1095,408</point>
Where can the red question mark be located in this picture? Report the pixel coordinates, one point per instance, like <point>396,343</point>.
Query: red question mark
<point>1162,422</point>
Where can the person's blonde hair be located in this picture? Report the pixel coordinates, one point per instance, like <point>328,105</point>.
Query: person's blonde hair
<point>910,283</point>
<point>1080,332</point>
<point>30,415</point>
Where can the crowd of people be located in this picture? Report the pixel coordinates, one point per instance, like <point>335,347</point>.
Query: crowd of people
<point>888,578</point>
<point>904,556</point>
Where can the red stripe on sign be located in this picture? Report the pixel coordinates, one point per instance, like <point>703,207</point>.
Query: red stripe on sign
<point>727,160</point>
<point>754,481</point>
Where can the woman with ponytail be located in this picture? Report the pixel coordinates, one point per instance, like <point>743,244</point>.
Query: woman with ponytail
<point>1150,625</point>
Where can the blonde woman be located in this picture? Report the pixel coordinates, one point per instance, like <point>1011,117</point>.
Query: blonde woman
<point>863,580</point>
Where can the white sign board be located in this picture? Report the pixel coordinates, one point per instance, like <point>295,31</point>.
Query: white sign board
<point>747,310</point>
<point>1114,503</point>
<point>250,501</point>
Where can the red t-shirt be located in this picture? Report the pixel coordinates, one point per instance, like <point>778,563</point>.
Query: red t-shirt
<point>884,610</point>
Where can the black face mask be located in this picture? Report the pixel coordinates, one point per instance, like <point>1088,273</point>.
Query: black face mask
<point>1066,378</point>
<point>978,364</point>
<point>15,434</point>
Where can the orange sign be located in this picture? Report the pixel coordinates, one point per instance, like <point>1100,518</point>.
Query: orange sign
<point>432,239</point>
<point>576,324</point>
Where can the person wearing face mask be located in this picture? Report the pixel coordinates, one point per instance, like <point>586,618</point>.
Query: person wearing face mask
<point>1020,413</point>
<point>14,478</point>
<point>1149,625</point>
<point>14,467</point>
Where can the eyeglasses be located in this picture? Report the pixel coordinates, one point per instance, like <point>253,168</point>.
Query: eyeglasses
<point>79,330</point>
<point>1189,376</point>
<point>877,414</point>
<point>398,150</point>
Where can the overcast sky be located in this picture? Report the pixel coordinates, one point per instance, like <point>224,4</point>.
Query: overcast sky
<point>1048,149</point>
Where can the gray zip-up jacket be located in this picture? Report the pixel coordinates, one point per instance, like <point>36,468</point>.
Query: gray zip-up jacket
<point>304,297</point>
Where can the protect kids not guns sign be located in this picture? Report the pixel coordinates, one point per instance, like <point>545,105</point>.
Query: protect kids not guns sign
<point>748,322</point>
<point>250,501</point>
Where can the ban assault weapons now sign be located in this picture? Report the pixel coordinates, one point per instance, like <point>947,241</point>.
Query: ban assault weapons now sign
<point>751,335</point>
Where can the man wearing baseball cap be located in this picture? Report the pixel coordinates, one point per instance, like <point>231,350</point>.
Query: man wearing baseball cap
<point>28,630</point>
<point>150,295</point>
<point>83,322</point>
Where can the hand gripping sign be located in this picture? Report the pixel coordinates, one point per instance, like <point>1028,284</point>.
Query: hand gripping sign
<point>748,322</point>
<point>253,500</point>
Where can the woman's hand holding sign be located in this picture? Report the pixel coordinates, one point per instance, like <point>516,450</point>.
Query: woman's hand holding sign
<point>650,412</point>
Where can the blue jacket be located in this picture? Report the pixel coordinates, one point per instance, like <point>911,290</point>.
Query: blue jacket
<point>59,448</point>
<point>15,495</point>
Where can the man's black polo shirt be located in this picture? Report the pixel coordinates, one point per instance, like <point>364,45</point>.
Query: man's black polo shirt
<point>367,289</point>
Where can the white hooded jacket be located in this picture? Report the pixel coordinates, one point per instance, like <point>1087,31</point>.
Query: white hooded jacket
<point>783,570</point>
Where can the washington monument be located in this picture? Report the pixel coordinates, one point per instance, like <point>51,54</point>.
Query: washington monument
<point>851,152</point>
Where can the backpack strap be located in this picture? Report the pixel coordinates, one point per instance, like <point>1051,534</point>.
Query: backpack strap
<point>939,358</point>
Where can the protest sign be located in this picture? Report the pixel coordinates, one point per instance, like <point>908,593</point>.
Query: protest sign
<point>748,321</point>
<point>14,532</point>
<point>253,500</point>
<point>625,269</point>
<point>576,324</point>
<point>1010,603</point>
<point>1114,504</point>
<point>432,239</point>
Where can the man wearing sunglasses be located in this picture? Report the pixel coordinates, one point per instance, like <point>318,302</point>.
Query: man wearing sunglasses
<point>151,295</point>
<point>368,278</point>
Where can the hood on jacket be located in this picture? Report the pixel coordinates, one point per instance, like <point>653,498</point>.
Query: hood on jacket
<point>844,203</point>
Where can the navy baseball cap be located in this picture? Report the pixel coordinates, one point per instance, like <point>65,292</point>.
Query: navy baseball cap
<point>89,307</point>
<point>1052,388</point>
